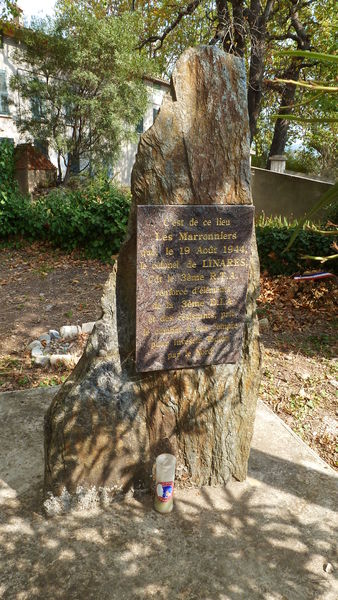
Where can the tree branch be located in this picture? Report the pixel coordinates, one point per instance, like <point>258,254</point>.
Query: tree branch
<point>268,9</point>
<point>310,86</point>
<point>187,10</point>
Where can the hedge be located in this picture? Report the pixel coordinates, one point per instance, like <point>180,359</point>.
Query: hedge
<point>94,217</point>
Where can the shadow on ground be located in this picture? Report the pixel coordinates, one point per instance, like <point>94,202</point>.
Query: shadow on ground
<point>266,538</point>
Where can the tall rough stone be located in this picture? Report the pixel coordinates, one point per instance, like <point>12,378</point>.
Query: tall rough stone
<point>107,423</point>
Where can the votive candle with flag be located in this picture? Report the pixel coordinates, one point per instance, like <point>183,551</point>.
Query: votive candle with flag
<point>164,486</point>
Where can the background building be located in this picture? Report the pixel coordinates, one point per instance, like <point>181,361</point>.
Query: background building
<point>11,104</point>
<point>157,88</point>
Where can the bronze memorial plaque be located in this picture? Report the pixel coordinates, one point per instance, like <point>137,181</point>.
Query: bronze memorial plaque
<point>192,276</point>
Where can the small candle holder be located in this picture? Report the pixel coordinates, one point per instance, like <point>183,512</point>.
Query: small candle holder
<point>164,486</point>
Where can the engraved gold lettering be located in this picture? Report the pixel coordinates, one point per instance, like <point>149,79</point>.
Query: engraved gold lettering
<point>184,236</point>
<point>228,249</point>
<point>174,223</point>
<point>164,265</point>
<point>172,292</point>
<point>173,355</point>
<point>166,319</point>
<point>163,238</point>
<point>201,352</point>
<point>158,345</point>
<point>152,252</point>
<point>189,277</point>
<point>220,302</point>
<point>205,290</point>
<point>173,331</point>
<point>191,340</point>
<point>211,263</point>
<point>191,264</point>
<point>202,329</point>
<point>222,275</point>
<point>155,278</point>
<point>209,250</point>
<point>199,316</point>
<point>192,304</point>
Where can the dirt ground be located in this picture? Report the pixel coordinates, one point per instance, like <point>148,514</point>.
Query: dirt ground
<point>42,288</point>
<point>300,368</point>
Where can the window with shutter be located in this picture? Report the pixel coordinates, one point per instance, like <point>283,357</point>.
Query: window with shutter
<point>4,107</point>
<point>139,127</point>
<point>37,108</point>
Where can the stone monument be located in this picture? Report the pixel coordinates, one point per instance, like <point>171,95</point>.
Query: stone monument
<point>177,371</point>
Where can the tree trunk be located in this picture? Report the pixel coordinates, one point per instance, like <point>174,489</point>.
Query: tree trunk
<point>68,170</point>
<point>280,134</point>
<point>256,73</point>
<point>258,18</point>
<point>59,168</point>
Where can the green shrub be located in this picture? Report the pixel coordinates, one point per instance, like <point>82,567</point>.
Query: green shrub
<point>331,213</point>
<point>92,218</point>
<point>20,218</point>
<point>7,182</point>
<point>273,235</point>
<point>16,214</point>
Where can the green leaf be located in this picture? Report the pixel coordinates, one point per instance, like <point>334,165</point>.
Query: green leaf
<point>321,259</point>
<point>300,119</point>
<point>323,202</point>
<point>332,232</point>
<point>307,54</point>
<point>310,86</point>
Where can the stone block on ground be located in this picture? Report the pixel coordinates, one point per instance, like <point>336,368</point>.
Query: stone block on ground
<point>54,334</point>
<point>35,344</point>
<point>69,360</point>
<point>36,351</point>
<point>41,361</point>
<point>45,337</point>
<point>70,331</point>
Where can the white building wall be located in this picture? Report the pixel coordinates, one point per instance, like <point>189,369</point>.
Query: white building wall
<point>122,170</point>
<point>8,128</point>
<point>7,121</point>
